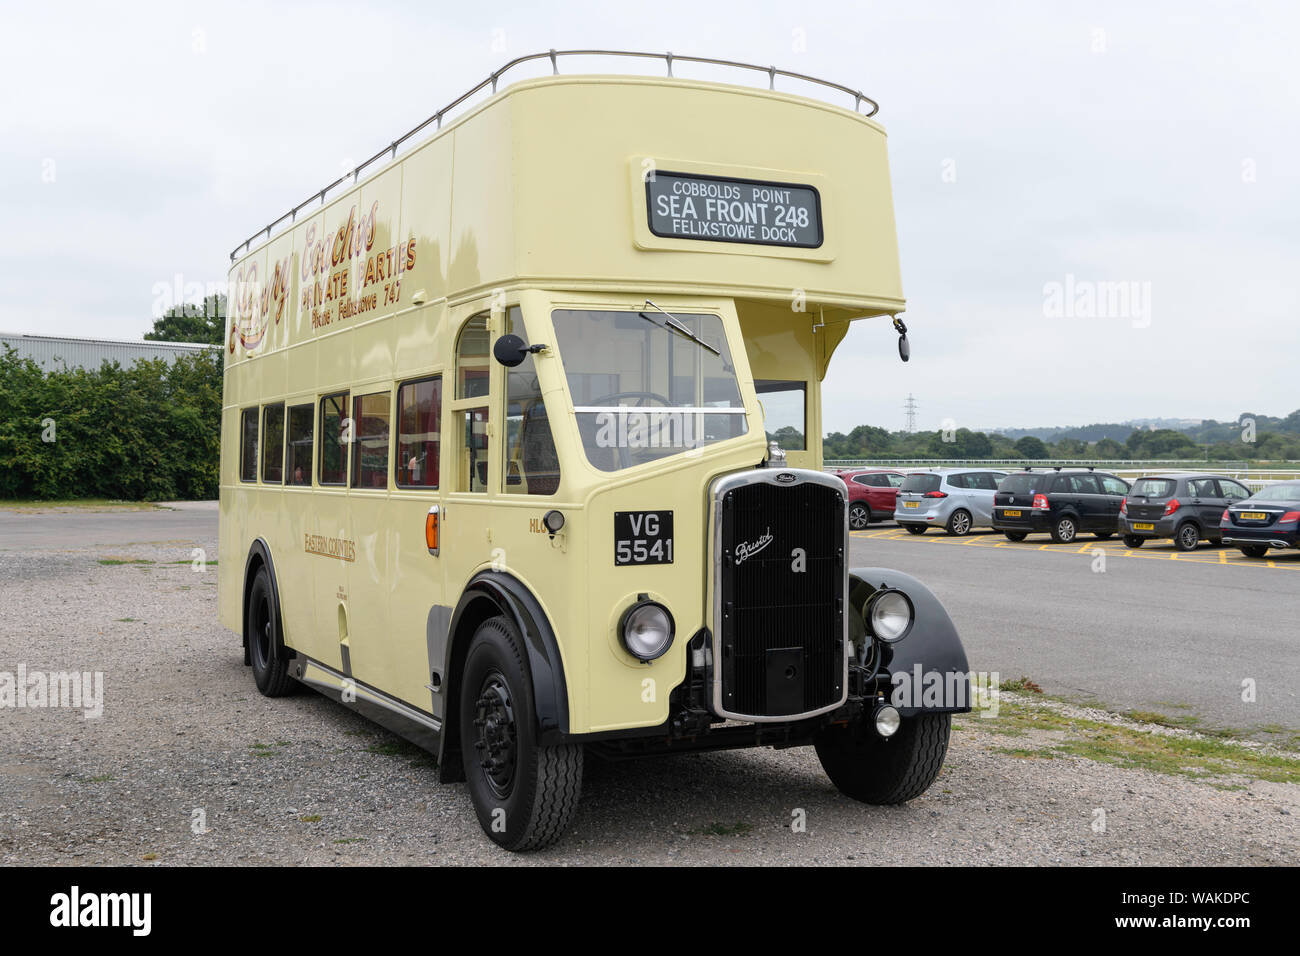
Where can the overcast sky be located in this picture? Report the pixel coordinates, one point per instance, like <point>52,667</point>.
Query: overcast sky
<point>1039,151</point>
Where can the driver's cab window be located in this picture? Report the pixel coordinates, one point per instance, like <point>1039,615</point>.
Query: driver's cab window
<point>531,464</point>
<point>785,412</point>
<point>470,418</point>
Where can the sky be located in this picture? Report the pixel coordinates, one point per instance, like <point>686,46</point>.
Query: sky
<point>1098,203</point>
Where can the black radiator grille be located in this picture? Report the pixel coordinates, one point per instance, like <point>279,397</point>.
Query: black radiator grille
<point>777,621</point>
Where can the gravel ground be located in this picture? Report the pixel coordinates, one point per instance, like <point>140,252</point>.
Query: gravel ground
<point>303,780</point>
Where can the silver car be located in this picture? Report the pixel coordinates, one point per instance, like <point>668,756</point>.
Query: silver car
<point>955,499</point>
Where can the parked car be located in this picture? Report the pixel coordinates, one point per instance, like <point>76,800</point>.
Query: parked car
<point>1061,502</point>
<point>871,494</point>
<point>1267,519</point>
<point>951,498</point>
<point>1186,508</point>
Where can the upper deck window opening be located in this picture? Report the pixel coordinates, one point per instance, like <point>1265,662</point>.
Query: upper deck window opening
<point>248,445</point>
<point>370,416</point>
<point>785,412</point>
<point>273,444</point>
<point>301,420</point>
<point>335,433</point>
<point>419,438</point>
<point>644,391</point>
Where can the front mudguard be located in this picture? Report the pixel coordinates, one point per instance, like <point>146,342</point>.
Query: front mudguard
<point>925,672</point>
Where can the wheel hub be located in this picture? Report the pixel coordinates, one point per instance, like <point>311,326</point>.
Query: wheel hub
<point>496,743</point>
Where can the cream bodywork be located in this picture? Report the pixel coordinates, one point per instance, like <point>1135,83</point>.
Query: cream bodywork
<point>535,199</point>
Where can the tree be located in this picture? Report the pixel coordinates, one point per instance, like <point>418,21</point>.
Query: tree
<point>1031,447</point>
<point>204,323</point>
<point>1108,448</point>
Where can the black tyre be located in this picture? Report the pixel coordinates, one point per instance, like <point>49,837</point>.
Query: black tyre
<point>859,515</point>
<point>1187,537</point>
<point>1065,530</point>
<point>1103,535</point>
<point>959,522</point>
<point>1254,550</point>
<point>266,648</point>
<point>915,528</point>
<point>1016,535</point>
<point>1134,540</point>
<point>866,767</point>
<point>524,794</point>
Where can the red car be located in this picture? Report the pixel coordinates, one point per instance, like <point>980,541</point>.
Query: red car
<point>871,494</point>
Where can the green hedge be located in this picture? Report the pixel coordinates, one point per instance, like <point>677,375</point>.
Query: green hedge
<point>151,432</point>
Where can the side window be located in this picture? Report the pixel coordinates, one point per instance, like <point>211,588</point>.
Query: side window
<point>1113,485</point>
<point>473,358</point>
<point>1203,488</point>
<point>532,466</point>
<point>370,415</point>
<point>958,481</point>
<point>273,444</point>
<point>419,438</point>
<point>869,480</point>
<point>895,481</point>
<point>1087,484</point>
<point>301,418</point>
<point>248,445</point>
<point>785,412</point>
<point>335,434</point>
<point>470,419</point>
<point>1233,491</point>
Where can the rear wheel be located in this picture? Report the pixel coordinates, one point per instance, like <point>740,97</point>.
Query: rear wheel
<point>1065,530</point>
<point>859,516</point>
<point>1134,540</point>
<point>265,645</point>
<point>915,528</point>
<point>1016,535</point>
<point>873,769</point>
<point>1187,537</point>
<point>524,794</point>
<point>959,522</point>
<point>1254,550</point>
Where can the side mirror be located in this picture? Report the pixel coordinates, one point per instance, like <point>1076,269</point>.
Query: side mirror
<point>510,350</point>
<point>904,348</point>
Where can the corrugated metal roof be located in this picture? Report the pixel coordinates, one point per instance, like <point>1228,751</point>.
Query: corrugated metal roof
<point>54,352</point>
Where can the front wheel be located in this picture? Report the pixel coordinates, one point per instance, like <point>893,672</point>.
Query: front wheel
<point>959,523</point>
<point>874,769</point>
<point>859,516</point>
<point>266,649</point>
<point>1134,540</point>
<point>524,794</point>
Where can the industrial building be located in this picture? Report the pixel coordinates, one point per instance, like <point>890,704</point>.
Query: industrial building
<point>55,352</point>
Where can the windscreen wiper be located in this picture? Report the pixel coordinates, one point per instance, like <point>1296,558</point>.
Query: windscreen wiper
<point>677,327</point>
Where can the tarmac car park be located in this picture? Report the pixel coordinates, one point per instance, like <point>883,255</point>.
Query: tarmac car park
<point>1062,503</point>
<point>1185,508</point>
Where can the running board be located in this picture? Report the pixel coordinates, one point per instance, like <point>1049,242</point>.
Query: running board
<point>423,730</point>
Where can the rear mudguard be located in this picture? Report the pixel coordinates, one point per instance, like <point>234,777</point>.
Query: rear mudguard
<point>927,670</point>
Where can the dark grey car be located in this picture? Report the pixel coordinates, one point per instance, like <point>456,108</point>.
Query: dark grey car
<point>1186,508</point>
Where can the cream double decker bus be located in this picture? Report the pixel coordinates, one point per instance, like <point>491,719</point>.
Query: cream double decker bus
<point>497,467</point>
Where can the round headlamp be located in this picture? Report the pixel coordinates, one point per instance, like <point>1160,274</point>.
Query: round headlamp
<point>889,615</point>
<point>646,630</point>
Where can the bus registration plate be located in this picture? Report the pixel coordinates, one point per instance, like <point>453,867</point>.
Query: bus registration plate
<point>643,537</point>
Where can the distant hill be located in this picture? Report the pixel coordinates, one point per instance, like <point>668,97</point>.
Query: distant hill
<point>1201,431</point>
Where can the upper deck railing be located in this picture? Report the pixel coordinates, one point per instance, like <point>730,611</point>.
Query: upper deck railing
<point>553,55</point>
